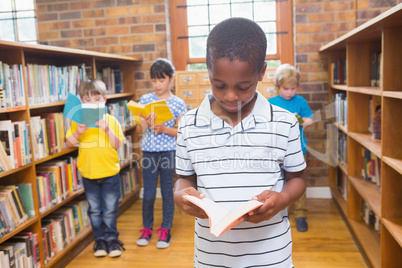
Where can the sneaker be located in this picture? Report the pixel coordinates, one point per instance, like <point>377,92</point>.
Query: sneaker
<point>164,238</point>
<point>115,247</point>
<point>145,237</point>
<point>100,248</point>
<point>301,224</point>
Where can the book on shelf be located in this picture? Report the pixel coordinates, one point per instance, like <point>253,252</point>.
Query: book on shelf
<point>369,217</point>
<point>160,108</point>
<point>221,220</point>
<point>27,198</point>
<point>375,68</point>
<point>12,91</point>
<point>371,167</point>
<point>83,113</point>
<point>9,255</point>
<point>112,77</point>
<point>20,253</point>
<point>338,72</point>
<point>34,242</point>
<point>5,164</point>
<point>21,240</point>
<point>7,138</point>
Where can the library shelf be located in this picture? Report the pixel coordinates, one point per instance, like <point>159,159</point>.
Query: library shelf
<point>341,127</point>
<point>376,91</point>
<point>339,87</point>
<point>26,55</point>
<point>365,140</point>
<point>71,197</point>
<point>394,163</point>
<point>395,228</point>
<point>56,155</point>
<point>342,203</point>
<point>393,94</point>
<point>379,37</point>
<point>19,228</point>
<point>369,192</point>
<point>343,168</point>
<point>15,170</point>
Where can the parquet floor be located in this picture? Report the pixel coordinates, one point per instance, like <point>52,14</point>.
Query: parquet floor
<point>327,244</point>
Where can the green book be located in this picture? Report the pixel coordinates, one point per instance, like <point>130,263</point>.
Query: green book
<point>27,198</point>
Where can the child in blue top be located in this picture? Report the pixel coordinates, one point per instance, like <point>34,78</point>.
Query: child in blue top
<point>158,148</point>
<point>287,80</point>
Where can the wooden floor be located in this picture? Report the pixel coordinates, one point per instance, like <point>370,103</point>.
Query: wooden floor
<point>326,244</point>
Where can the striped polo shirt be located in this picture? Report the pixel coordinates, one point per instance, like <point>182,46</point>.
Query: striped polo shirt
<point>233,164</point>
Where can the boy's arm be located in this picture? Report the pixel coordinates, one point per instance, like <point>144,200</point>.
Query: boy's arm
<point>72,140</point>
<point>113,138</point>
<point>274,202</point>
<point>307,121</point>
<point>186,185</point>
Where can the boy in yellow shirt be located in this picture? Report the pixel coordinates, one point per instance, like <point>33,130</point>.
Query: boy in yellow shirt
<point>98,162</point>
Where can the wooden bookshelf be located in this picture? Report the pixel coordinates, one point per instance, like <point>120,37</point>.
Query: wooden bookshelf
<point>23,54</point>
<point>382,248</point>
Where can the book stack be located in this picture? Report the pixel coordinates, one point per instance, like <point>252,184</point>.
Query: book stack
<point>340,110</point>
<point>21,250</point>
<point>48,134</point>
<point>121,112</point>
<point>57,180</point>
<point>129,181</point>
<point>371,167</point>
<point>48,83</point>
<point>16,206</point>
<point>342,183</point>
<point>369,217</point>
<point>15,146</point>
<point>12,89</point>
<point>112,76</point>
<point>338,72</point>
<point>62,226</point>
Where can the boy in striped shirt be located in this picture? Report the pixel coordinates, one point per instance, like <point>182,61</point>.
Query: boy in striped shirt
<point>235,147</point>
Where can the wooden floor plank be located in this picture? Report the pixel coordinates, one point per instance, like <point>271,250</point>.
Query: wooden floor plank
<point>327,243</point>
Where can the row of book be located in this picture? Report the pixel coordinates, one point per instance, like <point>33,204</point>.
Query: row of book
<point>48,134</point>
<point>371,167</point>
<point>16,206</point>
<point>338,72</point>
<point>112,77</point>
<point>340,108</point>
<point>129,181</point>
<point>21,251</point>
<point>57,180</point>
<point>15,145</point>
<point>369,217</point>
<point>342,149</point>
<point>49,83</point>
<point>62,226</point>
<point>375,68</point>
<point>342,183</point>
<point>121,112</point>
<point>12,89</point>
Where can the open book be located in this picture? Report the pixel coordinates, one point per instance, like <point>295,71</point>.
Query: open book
<point>221,220</point>
<point>83,113</point>
<point>160,108</point>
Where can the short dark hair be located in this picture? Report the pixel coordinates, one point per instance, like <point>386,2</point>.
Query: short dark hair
<point>161,68</point>
<point>237,39</point>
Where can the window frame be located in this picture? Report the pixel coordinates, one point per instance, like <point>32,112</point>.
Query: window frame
<point>15,19</point>
<point>180,49</point>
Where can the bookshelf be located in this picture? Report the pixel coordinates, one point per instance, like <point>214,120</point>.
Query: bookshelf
<point>22,54</point>
<point>379,36</point>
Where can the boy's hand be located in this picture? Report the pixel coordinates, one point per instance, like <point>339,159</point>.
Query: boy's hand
<point>102,124</point>
<point>273,203</point>
<point>81,128</point>
<point>188,207</point>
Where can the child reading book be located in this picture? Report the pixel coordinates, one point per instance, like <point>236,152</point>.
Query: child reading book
<point>99,165</point>
<point>238,147</point>
<point>287,80</point>
<point>158,150</point>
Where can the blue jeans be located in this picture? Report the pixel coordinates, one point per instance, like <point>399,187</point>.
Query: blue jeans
<point>154,164</point>
<point>103,199</point>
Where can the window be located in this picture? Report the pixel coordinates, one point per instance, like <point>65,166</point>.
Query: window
<point>192,20</point>
<point>18,21</point>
